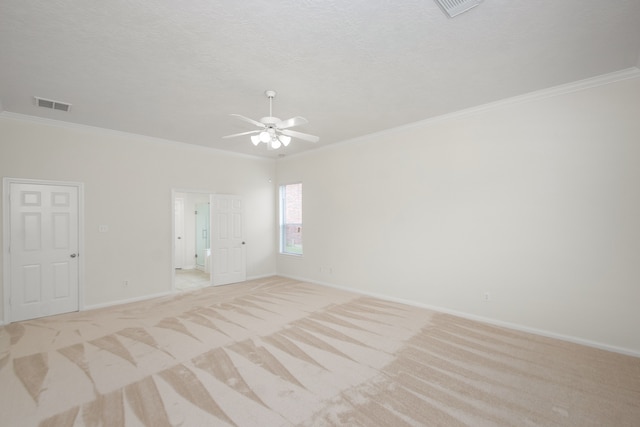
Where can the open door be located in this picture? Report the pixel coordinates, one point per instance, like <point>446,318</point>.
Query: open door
<point>179,234</point>
<point>227,239</point>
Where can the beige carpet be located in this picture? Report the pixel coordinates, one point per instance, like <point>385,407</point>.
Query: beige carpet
<point>277,352</point>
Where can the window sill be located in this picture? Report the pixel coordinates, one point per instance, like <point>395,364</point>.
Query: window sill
<point>291,255</point>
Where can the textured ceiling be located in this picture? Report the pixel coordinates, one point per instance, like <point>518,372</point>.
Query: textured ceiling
<point>177,69</point>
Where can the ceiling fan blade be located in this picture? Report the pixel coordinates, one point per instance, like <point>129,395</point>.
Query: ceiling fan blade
<point>289,123</point>
<point>240,134</point>
<point>247,119</point>
<point>300,135</point>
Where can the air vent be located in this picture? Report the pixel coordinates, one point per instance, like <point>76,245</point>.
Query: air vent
<point>456,7</point>
<point>51,104</point>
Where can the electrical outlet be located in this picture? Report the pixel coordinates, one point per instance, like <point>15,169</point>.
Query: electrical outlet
<point>486,297</point>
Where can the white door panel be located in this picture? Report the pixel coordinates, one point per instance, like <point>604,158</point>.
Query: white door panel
<point>228,246</point>
<point>44,243</point>
<point>179,233</point>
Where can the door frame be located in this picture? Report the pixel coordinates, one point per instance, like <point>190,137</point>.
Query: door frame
<point>178,259</point>
<point>6,238</point>
<point>173,230</point>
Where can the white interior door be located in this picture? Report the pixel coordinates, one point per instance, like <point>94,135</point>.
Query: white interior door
<point>44,228</point>
<point>227,239</point>
<point>179,232</point>
<point>202,235</point>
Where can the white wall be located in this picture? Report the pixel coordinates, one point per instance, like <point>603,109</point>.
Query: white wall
<point>537,203</point>
<point>128,183</point>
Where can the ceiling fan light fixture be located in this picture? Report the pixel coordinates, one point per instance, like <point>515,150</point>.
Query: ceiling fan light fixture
<point>264,136</point>
<point>284,139</point>
<point>274,132</point>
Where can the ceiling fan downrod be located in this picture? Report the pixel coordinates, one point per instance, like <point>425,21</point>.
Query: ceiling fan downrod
<point>270,94</point>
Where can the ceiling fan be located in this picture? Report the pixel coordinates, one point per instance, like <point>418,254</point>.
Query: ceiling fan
<point>273,131</point>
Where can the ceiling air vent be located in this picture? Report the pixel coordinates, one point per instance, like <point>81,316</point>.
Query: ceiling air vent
<point>51,104</point>
<point>456,7</point>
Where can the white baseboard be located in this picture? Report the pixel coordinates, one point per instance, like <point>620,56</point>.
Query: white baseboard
<point>127,301</point>
<point>261,276</point>
<point>495,322</point>
<point>146,297</point>
<point>117,302</point>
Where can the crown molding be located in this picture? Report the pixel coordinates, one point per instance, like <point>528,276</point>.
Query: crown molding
<point>116,133</point>
<point>579,85</point>
<point>617,76</point>
<point>551,92</point>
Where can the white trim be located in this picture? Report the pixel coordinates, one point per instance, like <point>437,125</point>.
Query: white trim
<point>616,76</point>
<point>158,295</point>
<point>117,133</point>
<point>261,276</point>
<point>281,219</point>
<point>129,300</point>
<point>6,233</point>
<point>488,320</point>
<point>286,254</point>
<point>6,265</point>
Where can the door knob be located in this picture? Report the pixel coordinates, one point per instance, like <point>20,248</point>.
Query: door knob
<point>73,255</point>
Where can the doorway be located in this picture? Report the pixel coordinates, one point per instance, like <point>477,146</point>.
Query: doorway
<point>208,239</point>
<point>42,248</point>
<point>192,242</point>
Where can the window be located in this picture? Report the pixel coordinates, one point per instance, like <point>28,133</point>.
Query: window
<point>291,219</point>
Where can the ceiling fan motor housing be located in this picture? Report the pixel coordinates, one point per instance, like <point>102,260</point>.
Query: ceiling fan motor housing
<point>270,121</point>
